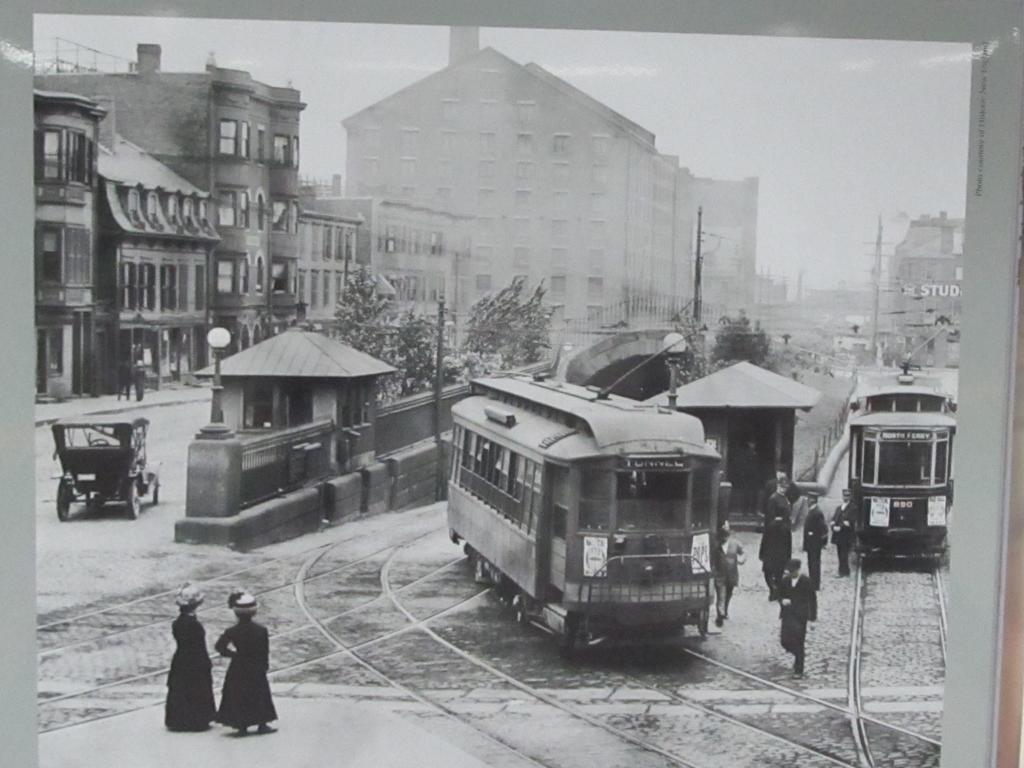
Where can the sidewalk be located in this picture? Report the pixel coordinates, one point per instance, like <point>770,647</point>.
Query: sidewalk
<point>47,413</point>
<point>313,733</point>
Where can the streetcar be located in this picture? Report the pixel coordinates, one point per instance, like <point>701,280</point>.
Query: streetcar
<point>900,471</point>
<point>592,515</point>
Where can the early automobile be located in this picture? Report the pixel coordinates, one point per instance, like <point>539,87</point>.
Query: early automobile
<point>103,460</point>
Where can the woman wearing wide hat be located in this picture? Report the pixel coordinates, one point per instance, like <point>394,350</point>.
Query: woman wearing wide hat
<point>246,700</point>
<point>190,704</point>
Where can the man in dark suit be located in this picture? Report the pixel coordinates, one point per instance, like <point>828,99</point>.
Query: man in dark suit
<point>798,605</point>
<point>776,548</point>
<point>842,532</point>
<point>815,538</point>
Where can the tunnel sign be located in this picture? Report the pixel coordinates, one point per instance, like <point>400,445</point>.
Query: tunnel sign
<point>595,554</point>
<point>700,552</point>
<point>936,510</point>
<point>879,511</point>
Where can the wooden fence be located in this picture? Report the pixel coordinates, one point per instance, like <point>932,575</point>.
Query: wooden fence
<point>276,463</point>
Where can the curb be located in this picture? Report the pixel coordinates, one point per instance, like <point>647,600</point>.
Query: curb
<point>110,411</point>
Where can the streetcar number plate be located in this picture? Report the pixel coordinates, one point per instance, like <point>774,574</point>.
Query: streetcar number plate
<point>85,477</point>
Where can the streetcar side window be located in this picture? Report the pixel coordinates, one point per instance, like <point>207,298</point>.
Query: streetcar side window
<point>941,460</point>
<point>595,498</point>
<point>559,501</point>
<point>700,499</point>
<point>868,466</point>
<point>467,449</point>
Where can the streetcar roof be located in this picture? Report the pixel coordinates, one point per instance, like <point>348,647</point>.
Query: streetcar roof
<point>617,425</point>
<point>877,390</point>
<point>904,419</point>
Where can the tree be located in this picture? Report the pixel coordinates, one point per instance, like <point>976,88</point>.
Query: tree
<point>361,315</point>
<point>414,352</point>
<point>738,339</point>
<point>505,324</point>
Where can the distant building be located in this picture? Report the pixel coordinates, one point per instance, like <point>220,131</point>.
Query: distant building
<point>155,242</point>
<point>326,254</point>
<point>67,341</point>
<point>559,187</point>
<point>238,139</point>
<point>419,254</point>
<point>925,304</point>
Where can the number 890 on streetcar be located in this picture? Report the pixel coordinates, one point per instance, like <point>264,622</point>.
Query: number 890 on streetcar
<point>591,514</point>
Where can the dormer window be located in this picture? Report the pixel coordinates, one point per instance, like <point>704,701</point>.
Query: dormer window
<point>172,209</point>
<point>203,213</point>
<point>152,202</point>
<point>186,210</point>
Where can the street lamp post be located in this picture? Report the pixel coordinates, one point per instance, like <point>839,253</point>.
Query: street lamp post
<point>674,345</point>
<point>217,339</point>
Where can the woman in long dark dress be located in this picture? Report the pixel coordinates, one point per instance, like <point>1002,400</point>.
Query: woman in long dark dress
<point>246,699</point>
<point>190,704</point>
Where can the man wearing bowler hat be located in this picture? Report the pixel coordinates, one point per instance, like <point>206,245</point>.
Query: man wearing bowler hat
<point>815,538</point>
<point>798,605</point>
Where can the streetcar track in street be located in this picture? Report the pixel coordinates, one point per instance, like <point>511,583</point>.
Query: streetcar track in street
<point>857,724</point>
<point>940,589</point>
<point>525,688</point>
<point>362,606</point>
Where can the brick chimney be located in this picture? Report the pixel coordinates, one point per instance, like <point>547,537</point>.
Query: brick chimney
<point>149,58</point>
<point>463,43</point>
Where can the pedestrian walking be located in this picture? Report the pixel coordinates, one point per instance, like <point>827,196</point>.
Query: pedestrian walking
<point>189,704</point>
<point>775,551</point>
<point>842,532</point>
<point>124,380</point>
<point>815,538</point>
<point>770,487</point>
<point>139,374</point>
<point>778,505</point>
<point>798,604</point>
<point>727,557</point>
<point>246,700</point>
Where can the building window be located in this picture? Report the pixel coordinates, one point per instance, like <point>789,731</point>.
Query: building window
<point>172,208</point>
<point>560,144</point>
<point>168,287</point>
<point>371,136</point>
<point>293,223</point>
<point>243,210</point>
<point>958,273</point>
<point>488,143</point>
<point>558,285</point>
<point>524,170</point>
<point>279,276</point>
<point>486,169</point>
<point>200,286</point>
<point>282,150</point>
<point>259,274</point>
<point>280,214</point>
<point>261,212</point>
<point>354,405</point>
<point>300,287</point>
<point>147,286</point>
<point>261,142</point>
<point>526,111</point>
<point>133,204</point>
<point>226,269</point>
<point>326,244</point>
<point>484,255</point>
<point>65,155</point>
<point>226,209</point>
<point>244,143</point>
<point>350,238</point>
<point>327,289</point>
<point>483,282</point>
<point>52,155</point>
<point>598,203</point>
<point>485,199</point>
<point>522,198</point>
<point>295,152</point>
<point>521,257</point>
<point>598,230</point>
<point>560,201</point>
<point>448,142</point>
<point>52,257</point>
<point>228,137</point>
<point>601,145</point>
<point>449,109</point>
<point>524,143</point>
<point>596,258</point>
<point>337,287</point>
<point>595,288</point>
<point>599,174</point>
<point>186,211</point>
<point>314,287</point>
<point>521,229</point>
<point>410,140</point>
<point>55,351</point>
<point>486,228</point>
<point>560,174</point>
<point>559,229</point>
<point>129,286</point>
<point>243,275</point>
<point>259,406</point>
<point>558,257</point>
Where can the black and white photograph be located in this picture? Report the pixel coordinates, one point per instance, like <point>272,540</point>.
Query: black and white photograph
<point>476,396</point>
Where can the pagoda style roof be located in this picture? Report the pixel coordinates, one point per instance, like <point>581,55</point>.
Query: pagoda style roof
<point>743,385</point>
<point>300,354</point>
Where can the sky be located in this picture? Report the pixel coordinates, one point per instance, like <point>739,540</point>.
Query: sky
<point>839,132</point>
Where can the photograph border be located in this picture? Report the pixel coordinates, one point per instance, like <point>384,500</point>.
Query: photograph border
<point>984,686</point>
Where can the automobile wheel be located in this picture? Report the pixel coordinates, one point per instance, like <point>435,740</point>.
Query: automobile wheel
<point>131,499</point>
<point>64,495</point>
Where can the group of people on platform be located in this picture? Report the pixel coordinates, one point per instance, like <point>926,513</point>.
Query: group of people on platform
<point>784,510</point>
<point>245,697</point>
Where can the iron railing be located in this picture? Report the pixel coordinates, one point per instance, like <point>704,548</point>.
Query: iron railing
<point>284,460</point>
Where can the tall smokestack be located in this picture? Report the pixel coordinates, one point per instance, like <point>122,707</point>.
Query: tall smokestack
<point>463,43</point>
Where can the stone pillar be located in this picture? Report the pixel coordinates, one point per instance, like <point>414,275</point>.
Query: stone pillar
<point>214,484</point>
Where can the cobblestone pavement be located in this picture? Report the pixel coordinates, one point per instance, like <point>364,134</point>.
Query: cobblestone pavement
<point>501,691</point>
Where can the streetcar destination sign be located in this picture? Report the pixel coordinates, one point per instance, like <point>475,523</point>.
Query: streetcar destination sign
<point>906,435</point>
<point>657,462</point>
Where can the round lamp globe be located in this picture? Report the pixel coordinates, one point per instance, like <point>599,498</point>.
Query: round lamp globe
<point>674,343</point>
<point>218,338</point>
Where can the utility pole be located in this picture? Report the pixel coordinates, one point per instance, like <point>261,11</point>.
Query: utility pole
<point>876,277</point>
<point>438,387</point>
<point>697,270</point>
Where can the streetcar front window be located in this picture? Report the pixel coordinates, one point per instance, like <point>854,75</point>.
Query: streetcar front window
<point>905,463</point>
<point>651,500</point>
